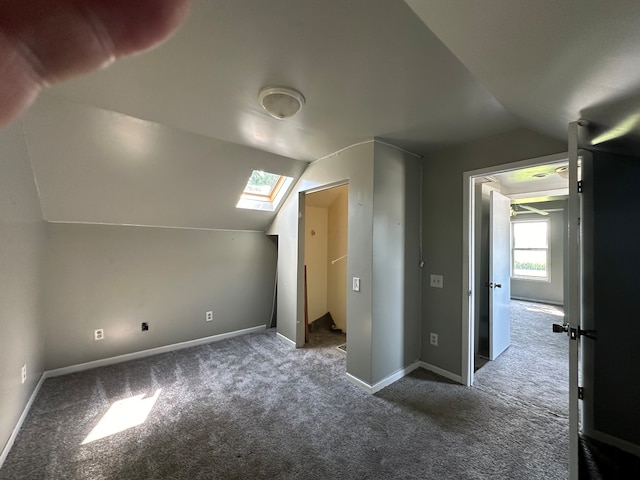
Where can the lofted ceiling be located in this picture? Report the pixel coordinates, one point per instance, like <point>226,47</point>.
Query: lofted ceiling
<point>549,62</point>
<point>169,137</point>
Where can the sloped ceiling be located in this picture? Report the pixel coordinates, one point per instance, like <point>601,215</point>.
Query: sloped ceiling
<point>549,62</point>
<point>366,68</point>
<point>169,137</point>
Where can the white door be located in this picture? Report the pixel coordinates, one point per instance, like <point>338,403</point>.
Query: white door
<point>499,274</point>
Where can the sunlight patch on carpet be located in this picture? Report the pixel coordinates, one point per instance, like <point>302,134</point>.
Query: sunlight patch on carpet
<point>122,415</point>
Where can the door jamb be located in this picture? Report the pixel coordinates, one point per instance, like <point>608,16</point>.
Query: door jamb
<point>300,330</point>
<point>468,252</point>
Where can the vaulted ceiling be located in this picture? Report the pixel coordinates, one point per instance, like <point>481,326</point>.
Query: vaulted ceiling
<point>170,137</point>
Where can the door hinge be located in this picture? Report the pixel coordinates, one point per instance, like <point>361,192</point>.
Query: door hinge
<point>580,393</point>
<point>579,186</point>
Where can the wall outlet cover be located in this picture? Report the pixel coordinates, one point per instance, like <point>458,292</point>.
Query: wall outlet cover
<point>433,339</point>
<point>437,281</point>
<point>209,316</point>
<point>98,334</point>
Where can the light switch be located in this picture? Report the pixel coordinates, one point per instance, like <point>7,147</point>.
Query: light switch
<point>356,284</point>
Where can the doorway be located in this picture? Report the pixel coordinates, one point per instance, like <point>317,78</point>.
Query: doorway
<point>325,266</point>
<point>534,369</point>
<point>526,183</point>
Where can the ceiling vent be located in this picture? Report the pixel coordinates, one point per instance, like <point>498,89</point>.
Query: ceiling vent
<point>281,102</point>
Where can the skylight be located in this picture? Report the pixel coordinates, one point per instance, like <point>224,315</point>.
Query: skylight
<point>264,191</point>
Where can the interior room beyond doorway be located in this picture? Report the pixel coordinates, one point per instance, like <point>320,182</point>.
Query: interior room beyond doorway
<point>325,260</point>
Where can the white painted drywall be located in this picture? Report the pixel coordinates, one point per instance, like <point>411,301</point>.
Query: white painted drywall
<point>21,245</point>
<point>442,231</point>
<point>115,278</point>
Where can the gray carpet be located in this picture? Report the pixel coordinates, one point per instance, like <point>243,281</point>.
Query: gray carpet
<point>252,407</point>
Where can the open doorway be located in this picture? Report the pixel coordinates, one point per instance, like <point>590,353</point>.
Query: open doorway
<point>519,241</point>
<point>523,184</point>
<point>325,266</point>
<point>532,368</point>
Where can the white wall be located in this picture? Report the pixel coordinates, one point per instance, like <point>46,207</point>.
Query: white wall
<point>21,246</point>
<point>382,318</point>
<point>355,166</point>
<point>337,248</point>
<point>316,245</point>
<point>115,278</point>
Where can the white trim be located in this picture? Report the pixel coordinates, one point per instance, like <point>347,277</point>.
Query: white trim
<point>616,442</point>
<point>468,255</point>
<point>286,340</point>
<point>166,227</point>
<point>364,142</point>
<point>441,372</point>
<point>16,429</point>
<point>385,382</point>
<point>359,383</point>
<point>147,353</point>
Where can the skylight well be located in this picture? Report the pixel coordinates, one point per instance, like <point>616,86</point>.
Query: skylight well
<point>264,191</point>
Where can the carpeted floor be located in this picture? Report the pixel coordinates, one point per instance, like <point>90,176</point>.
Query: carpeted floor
<point>252,407</point>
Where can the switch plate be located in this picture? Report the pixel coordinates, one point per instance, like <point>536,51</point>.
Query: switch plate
<point>433,339</point>
<point>356,284</point>
<point>437,281</point>
<point>98,334</point>
<point>209,316</point>
<point>24,373</point>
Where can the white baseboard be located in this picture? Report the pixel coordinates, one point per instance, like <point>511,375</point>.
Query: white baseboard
<point>385,382</point>
<point>441,372</point>
<point>16,429</point>
<point>286,340</point>
<point>616,442</point>
<point>147,353</point>
<point>112,361</point>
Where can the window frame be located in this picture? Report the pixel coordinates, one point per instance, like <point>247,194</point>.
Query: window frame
<point>547,250</point>
<point>265,202</point>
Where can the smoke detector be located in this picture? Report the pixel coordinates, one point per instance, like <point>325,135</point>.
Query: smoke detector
<point>281,102</point>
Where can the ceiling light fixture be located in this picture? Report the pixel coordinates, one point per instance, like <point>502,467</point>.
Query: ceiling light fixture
<point>563,171</point>
<point>281,102</point>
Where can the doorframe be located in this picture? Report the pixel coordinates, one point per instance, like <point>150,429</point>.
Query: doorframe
<point>468,252</point>
<point>300,327</point>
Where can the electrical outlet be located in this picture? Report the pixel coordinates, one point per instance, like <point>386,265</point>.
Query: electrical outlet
<point>433,339</point>
<point>209,316</point>
<point>144,327</point>
<point>437,281</point>
<point>98,334</point>
<point>24,373</point>
<point>356,284</point>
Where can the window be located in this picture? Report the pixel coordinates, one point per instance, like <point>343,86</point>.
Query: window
<point>530,251</point>
<point>264,191</point>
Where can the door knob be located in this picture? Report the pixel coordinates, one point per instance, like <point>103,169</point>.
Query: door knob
<point>498,285</point>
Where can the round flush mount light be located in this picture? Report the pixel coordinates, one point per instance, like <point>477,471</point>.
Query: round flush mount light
<point>563,171</point>
<point>540,175</point>
<point>281,102</point>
